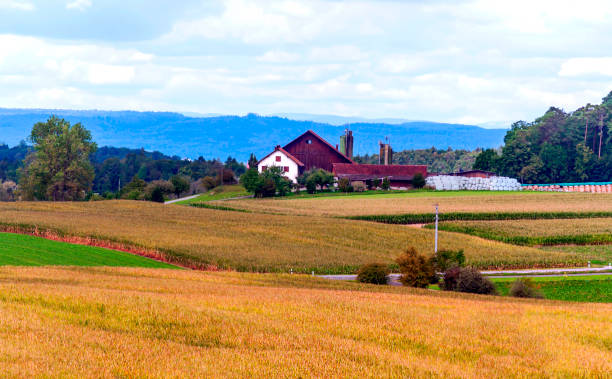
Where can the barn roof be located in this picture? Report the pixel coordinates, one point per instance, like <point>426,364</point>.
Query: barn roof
<point>315,135</point>
<point>373,171</point>
<point>278,148</point>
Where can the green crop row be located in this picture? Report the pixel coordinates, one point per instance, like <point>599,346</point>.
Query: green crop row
<point>426,218</point>
<point>580,239</point>
<point>218,207</point>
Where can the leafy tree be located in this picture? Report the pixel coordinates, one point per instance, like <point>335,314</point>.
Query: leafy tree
<point>134,190</point>
<point>158,189</point>
<point>249,179</point>
<point>418,181</point>
<point>344,185</point>
<point>386,184</point>
<point>252,161</point>
<point>486,160</point>
<point>59,168</point>
<point>180,183</point>
<point>316,178</point>
<point>277,176</point>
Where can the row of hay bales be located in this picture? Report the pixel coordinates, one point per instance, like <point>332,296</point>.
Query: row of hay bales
<point>571,187</point>
<point>456,183</point>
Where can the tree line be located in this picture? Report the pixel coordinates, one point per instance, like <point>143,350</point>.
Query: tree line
<point>63,163</point>
<point>558,147</point>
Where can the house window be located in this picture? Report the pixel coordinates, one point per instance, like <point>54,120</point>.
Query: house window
<point>264,168</point>
<point>308,141</point>
<point>286,168</point>
<point>278,158</point>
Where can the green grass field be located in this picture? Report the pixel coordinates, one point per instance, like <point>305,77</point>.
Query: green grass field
<point>219,193</point>
<point>592,288</point>
<point>25,250</point>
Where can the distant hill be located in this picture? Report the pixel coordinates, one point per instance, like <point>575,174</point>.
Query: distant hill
<point>238,136</point>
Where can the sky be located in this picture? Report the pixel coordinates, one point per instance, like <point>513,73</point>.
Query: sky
<point>478,62</point>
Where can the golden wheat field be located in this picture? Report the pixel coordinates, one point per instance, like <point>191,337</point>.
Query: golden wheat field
<point>541,228</point>
<point>113,322</point>
<point>422,202</point>
<point>261,242</point>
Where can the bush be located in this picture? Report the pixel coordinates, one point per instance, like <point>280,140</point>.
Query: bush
<point>209,182</point>
<point>373,273</point>
<point>359,186</point>
<point>315,179</point>
<point>386,184</point>
<point>157,195</point>
<point>344,185</point>
<point>181,184</point>
<point>525,287</point>
<point>450,278</point>
<point>446,259</point>
<point>375,184</point>
<point>418,180</point>
<point>157,187</point>
<point>468,279</point>
<point>415,269</point>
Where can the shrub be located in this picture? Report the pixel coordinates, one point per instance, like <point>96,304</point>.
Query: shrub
<point>209,182</point>
<point>181,184</point>
<point>386,184</point>
<point>418,180</point>
<point>344,185</point>
<point>162,187</point>
<point>359,186</point>
<point>373,273</point>
<point>316,178</point>
<point>157,195</point>
<point>472,281</point>
<point>446,259</point>
<point>415,269</point>
<point>375,184</point>
<point>525,287</point>
<point>450,278</point>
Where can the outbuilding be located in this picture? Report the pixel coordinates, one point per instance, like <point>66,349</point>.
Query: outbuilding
<point>291,166</point>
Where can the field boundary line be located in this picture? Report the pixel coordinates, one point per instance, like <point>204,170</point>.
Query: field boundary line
<point>56,235</point>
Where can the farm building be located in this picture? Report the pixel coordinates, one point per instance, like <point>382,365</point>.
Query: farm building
<point>310,151</point>
<point>400,176</point>
<point>291,166</point>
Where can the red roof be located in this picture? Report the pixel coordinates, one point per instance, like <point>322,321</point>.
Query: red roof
<point>278,148</point>
<point>322,140</point>
<point>373,171</point>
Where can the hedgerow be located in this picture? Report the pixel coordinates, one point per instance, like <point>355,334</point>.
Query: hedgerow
<point>425,218</point>
<point>580,239</point>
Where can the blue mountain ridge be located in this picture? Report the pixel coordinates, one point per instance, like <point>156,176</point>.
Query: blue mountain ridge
<point>238,136</point>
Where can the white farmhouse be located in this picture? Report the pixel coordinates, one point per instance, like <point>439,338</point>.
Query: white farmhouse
<point>291,166</point>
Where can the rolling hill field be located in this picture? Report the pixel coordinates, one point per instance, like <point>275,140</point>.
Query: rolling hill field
<point>422,202</point>
<point>119,322</point>
<point>260,242</point>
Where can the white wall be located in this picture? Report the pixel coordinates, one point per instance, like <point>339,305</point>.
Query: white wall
<point>284,162</point>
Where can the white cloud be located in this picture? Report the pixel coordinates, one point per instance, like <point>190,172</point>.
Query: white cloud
<point>587,66</point>
<point>80,5</point>
<point>17,4</point>
<point>276,56</point>
<point>110,74</point>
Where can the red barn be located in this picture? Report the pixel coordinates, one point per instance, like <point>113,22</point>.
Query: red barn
<point>399,175</point>
<point>314,151</point>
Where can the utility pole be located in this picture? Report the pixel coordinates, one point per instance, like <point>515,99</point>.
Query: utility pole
<point>436,238</point>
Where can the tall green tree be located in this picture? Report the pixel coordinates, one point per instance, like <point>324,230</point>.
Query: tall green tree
<point>59,168</point>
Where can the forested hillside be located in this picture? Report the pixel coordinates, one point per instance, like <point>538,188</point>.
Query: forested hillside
<point>115,167</point>
<point>239,136</point>
<point>437,160</point>
<point>557,147</point>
